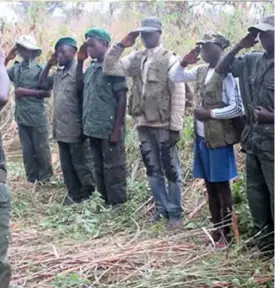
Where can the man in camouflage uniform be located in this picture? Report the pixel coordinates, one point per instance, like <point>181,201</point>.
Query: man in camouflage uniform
<point>74,151</point>
<point>256,76</point>
<point>30,110</point>
<point>104,104</point>
<point>5,269</point>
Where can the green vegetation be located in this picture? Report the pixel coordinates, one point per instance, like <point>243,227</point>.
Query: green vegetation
<point>92,245</point>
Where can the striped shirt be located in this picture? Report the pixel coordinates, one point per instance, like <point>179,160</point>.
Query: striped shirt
<point>230,94</point>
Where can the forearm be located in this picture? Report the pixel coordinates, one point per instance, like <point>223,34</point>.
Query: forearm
<point>43,80</point>
<point>115,66</point>
<point>37,93</point>
<point>227,60</point>
<point>79,75</point>
<point>180,74</point>
<point>120,111</point>
<point>4,84</point>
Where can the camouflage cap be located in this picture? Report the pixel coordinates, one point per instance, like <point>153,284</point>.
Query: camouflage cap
<point>266,24</point>
<point>150,24</point>
<point>215,38</point>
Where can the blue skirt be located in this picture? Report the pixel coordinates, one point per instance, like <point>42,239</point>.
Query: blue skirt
<point>214,165</point>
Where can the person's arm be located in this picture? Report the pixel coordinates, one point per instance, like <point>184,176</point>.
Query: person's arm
<point>116,66</point>
<point>235,106</point>
<point>26,92</point>
<point>178,73</point>
<point>82,55</point>
<point>264,115</point>
<point>4,80</point>
<point>178,96</point>
<point>46,81</point>
<point>120,89</point>
<point>11,55</point>
<point>224,66</point>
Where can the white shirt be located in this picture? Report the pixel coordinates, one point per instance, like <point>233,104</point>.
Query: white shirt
<point>230,94</point>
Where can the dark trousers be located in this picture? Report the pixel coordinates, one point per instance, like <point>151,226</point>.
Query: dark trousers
<point>260,191</point>
<point>36,152</point>
<point>110,170</point>
<point>76,165</point>
<point>162,162</point>
<point>5,269</point>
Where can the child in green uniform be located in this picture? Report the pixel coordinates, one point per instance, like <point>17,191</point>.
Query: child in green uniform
<point>30,109</point>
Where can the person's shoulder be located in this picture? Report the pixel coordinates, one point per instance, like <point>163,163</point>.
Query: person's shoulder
<point>252,56</point>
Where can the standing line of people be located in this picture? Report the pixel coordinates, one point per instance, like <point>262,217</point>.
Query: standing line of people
<point>89,121</point>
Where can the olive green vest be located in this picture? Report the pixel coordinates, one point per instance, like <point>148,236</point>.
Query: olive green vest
<point>218,133</point>
<point>155,102</point>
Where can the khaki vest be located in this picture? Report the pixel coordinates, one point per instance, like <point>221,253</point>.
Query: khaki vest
<point>218,133</point>
<point>155,103</point>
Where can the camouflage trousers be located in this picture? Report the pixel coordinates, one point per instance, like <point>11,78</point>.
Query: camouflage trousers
<point>110,170</point>
<point>5,269</point>
<point>260,189</point>
<point>36,152</point>
<point>76,165</point>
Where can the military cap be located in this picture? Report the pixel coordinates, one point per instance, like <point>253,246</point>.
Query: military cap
<point>150,24</point>
<point>266,24</point>
<point>215,38</point>
<point>98,33</point>
<point>66,41</point>
<point>29,42</point>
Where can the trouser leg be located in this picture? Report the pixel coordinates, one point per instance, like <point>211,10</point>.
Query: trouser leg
<point>96,149</point>
<point>82,163</point>
<point>260,199</point>
<point>70,177</point>
<point>171,164</point>
<point>28,149</point>
<point>40,138</point>
<point>5,269</point>
<point>114,170</point>
<point>150,152</point>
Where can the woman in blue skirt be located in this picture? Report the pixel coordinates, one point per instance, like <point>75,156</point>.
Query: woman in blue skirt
<point>218,101</point>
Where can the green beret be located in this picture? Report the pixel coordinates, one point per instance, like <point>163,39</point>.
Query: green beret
<point>66,41</point>
<point>99,33</point>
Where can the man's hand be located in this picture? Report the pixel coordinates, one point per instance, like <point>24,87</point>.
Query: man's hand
<point>201,114</point>
<point>53,60</point>
<point>82,54</point>
<point>115,136</point>
<point>20,92</point>
<point>12,54</point>
<point>174,137</point>
<point>129,40</point>
<point>249,40</point>
<point>263,115</point>
<point>191,57</point>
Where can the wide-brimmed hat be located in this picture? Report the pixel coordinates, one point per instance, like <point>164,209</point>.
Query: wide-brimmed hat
<point>215,38</point>
<point>29,42</point>
<point>150,24</point>
<point>266,24</point>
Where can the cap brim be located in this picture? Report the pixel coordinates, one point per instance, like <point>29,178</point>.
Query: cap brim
<point>30,47</point>
<point>147,29</point>
<point>261,27</point>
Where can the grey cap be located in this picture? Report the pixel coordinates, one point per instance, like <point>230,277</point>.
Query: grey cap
<point>266,24</point>
<point>215,38</point>
<point>150,24</point>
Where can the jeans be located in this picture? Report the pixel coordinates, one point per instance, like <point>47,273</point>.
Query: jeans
<point>162,162</point>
